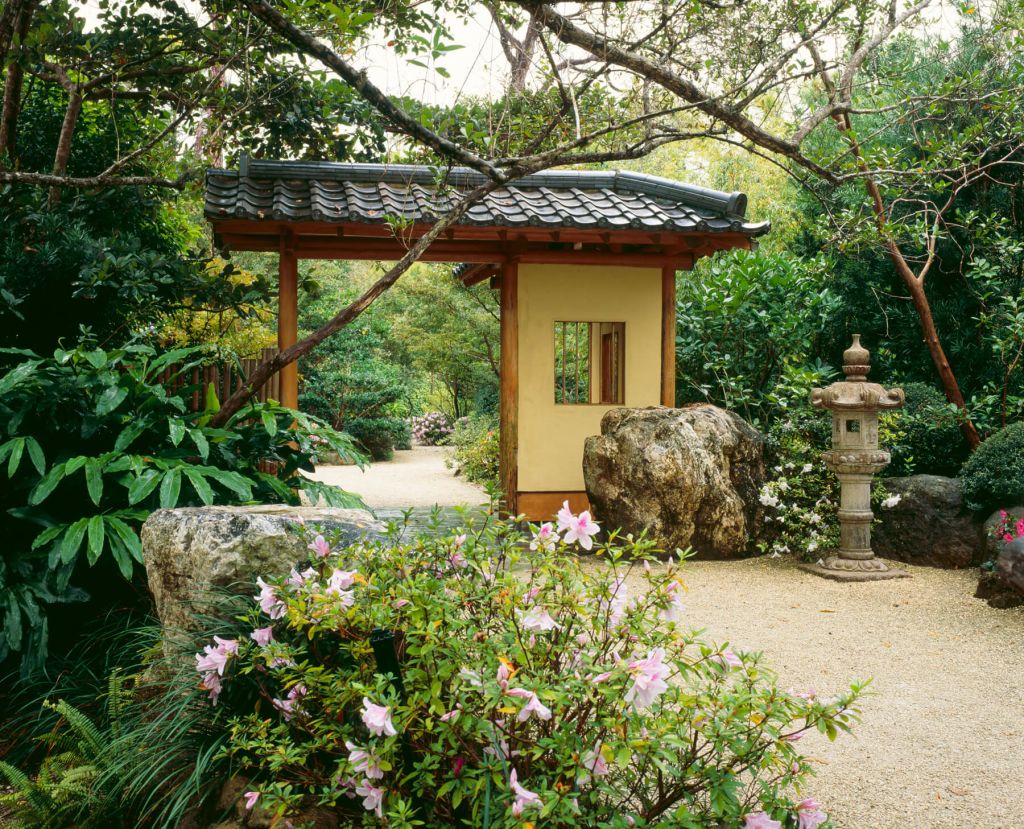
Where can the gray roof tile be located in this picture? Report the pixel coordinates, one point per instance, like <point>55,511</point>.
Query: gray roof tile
<point>373,193</point>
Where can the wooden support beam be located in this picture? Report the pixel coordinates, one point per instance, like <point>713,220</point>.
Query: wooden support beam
<point>668,337</point>
<point>509,385</point>
<point>479,273</point>
<point>288,318</point>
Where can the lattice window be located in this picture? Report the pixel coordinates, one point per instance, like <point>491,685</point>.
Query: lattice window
<point>590,362</point>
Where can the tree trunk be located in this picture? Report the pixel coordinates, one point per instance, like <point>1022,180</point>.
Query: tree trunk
<point>21,18</point>
<point>67,132</point>
<point>931,338</point>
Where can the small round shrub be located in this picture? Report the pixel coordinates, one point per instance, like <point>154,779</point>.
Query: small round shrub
<point>993,476</point>
<point>403,437</point>
<point>432,428</point>
<point>924,436</point>
<point>377,434</point>
<point>465,680</point>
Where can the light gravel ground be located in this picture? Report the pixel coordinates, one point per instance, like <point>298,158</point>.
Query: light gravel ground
<point>941,744</point>
<point>416,477</point>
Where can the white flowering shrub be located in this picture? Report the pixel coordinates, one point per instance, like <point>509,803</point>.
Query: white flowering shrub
<point>490,678</point>
<point>801,496</point>
<point>432,428</point>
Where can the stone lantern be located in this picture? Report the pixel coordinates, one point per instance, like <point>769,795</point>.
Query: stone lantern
<point>855,457</point>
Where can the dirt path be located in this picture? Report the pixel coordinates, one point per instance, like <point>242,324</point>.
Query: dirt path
<point>415,478</point>
<point>941,744</point>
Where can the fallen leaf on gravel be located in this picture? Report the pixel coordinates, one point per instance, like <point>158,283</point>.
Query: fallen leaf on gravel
<point>826,610</point>
<point>958,792</point>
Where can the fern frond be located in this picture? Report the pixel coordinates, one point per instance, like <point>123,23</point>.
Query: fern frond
<point>91,741</point>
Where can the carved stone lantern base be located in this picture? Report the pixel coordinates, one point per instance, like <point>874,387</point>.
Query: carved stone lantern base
<point>847,569</point>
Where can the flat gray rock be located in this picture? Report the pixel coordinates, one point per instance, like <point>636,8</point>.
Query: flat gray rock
<point>191,550</point>
<point>930,525</point>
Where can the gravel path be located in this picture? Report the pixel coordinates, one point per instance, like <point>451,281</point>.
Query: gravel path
<point>941,744</point>
<point>416,477</point>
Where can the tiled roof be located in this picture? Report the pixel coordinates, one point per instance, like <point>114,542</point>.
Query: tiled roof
<point>375,193</point>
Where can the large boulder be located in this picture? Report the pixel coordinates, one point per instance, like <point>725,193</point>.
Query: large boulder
<point>1003,585</point>
<point>189,551</point>
<point>690,477</point>
<point>929,525</point>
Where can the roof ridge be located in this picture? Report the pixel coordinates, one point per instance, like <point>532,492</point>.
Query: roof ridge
<point>732,205</point>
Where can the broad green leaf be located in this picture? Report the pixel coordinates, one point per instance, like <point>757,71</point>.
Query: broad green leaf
<point>96,535</point>
<point>47,484</point>
<point>126,534</point>
<point>17,448</point>
<point>111,398</point>
<point>130,433</point>
<point>199,439</point>
<point>238,484</point>
<point>170,488</point>
<point>201,485</point>
<point>94,480</point>
<point>121,556</point>
<point>74,464</point>
<point>176,428</point>
<point>73,540</point>
<point>269,423</point>
<point>35,453</point>
<point>12,623</point>
<point>142,486</point>
<point>96,358</point>
<point>46,536</point>
<point>17,375</point>
<point>212,403</point>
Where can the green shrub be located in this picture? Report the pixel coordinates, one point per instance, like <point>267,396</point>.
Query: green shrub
<point>91,442</point>
<point>379,436</point>
<point>477,449</point>
<point>924,436</point>
<point>993,476</point>
<point>461,680</point>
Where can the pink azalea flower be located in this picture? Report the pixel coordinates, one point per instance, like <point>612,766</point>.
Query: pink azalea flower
<point>809,814</point>
<point>378,719</point>
<point>457,766</point>
<point>226,645</point>
<point>545,538</point>
<point>212,660</point>
<point>373,797</point>
<point>1007,537</point>
<point>398,604</point>
<point>341,580</point>
<point>592,764</point>
<point>453,714</point>
<point>289,706</point>
<point>269,603</point>
<point>523,797</point>
<point>460,540</point>
<point>760,821</point>
<point>534,706</point>
<point>363,761</point>
<point>297,579</point>
<point>457,559</point>
<point>502,675</point>
<point>320,547</point>
<point>538,618</point>
<point>675,610</point>
<point>211,682</point>
<point>618,602</point>
<point>250,799</point>
<point>649,676</point>
<point>1019,527</point>
<point>580,528</point>
<point>604,677</point>
<point>262,636</point>
<point>728,660</point>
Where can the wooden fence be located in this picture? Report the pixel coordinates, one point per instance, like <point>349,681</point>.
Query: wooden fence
<point>224,377</point>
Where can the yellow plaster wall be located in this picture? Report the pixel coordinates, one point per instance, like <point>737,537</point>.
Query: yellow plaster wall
<point>551,436</point>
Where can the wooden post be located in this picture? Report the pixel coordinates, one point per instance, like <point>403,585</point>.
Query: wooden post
<point>668,337</point>
<point>509,409</point>
<point>288,319</point>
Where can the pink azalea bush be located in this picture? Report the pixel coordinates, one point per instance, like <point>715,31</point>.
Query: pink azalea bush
<point>1007,529</point>
<point>534,689</point>
<point>431,428</point>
